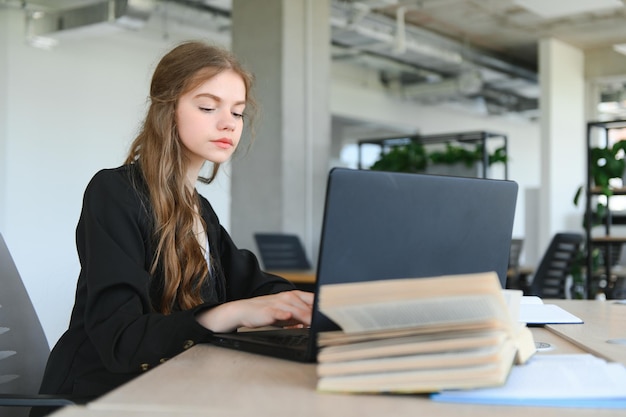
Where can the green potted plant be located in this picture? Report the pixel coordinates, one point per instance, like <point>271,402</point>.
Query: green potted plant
<point>413,157</point>
<point>605,164</point>
<point>456,154</point>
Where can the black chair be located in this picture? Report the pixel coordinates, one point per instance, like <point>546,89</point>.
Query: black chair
<point>24,349</point>
<point>550,277</point>
<point>281,252</point>
<point>610,270</point>
<point>513,273</point>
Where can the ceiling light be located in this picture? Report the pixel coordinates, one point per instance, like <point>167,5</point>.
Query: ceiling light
<point>620,47</point>
<point>42,42</point>
<point>556,9</point>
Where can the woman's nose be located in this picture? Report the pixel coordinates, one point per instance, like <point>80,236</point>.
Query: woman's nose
<point>227,122</point>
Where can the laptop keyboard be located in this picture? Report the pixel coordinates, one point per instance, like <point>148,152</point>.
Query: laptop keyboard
<point>284,337</point>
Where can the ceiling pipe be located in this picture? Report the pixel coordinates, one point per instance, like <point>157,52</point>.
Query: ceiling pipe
<point>400,41</point>
<point>452,51</point>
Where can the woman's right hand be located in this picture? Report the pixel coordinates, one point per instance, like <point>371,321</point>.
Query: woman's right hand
<point>282,309</point>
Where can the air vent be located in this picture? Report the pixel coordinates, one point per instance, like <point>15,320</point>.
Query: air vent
<point>44,21</point>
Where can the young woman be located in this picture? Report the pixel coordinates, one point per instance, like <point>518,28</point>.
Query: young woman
<point>158,271</point>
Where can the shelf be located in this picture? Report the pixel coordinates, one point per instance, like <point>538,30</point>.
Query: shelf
<point>477,137</point>
<point>608,124</point>
<point>616,191</point>
<point>609,239</point>
<point>609,244</point>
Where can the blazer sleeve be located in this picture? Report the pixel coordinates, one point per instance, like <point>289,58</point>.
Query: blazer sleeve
<point>119,319</point>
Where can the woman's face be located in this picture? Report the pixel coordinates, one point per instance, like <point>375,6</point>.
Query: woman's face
<point>209,118</point>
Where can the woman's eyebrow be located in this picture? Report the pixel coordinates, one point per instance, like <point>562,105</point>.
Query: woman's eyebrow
<point>218,99</point>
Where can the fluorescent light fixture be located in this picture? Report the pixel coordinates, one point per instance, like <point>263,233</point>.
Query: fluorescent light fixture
<point>552,9</point>
<point>42,42</point>
<point>620,47</point>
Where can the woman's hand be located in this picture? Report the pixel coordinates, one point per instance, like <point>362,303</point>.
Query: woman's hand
<point>283,309</point>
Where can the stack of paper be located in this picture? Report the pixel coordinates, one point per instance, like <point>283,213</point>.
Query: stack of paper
<point>581,380</point>
<point>534,312</point>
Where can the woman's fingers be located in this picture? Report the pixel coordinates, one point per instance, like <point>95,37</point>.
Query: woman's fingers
<point>305,296</point>
<point>298,304</point>
<point>285,308</point>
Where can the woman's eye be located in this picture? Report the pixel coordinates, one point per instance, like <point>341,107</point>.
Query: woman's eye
<point>207,109</point>
<point>238,115</point>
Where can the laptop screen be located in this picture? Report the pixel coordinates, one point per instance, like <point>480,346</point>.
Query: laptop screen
<point>383,225</point>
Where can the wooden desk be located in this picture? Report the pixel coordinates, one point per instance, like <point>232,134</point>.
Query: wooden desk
<point>309,277</point>
<point>517,278</point>
<point>220,381</point>
<point>303,279</point>
<point>82,411</point>
<point>297,277</point>
<point>604,320</point>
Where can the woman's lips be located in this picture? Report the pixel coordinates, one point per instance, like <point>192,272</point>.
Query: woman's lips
<point>223,143</point>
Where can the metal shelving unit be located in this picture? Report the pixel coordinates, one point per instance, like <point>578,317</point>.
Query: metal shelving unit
<point>599,131</point>
<point>476,137</point>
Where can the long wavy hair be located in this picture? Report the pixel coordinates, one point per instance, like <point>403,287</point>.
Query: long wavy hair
<point>159,154</point>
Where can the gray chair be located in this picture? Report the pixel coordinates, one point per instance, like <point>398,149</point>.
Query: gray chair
<point>24,349</point>
<point>551,275</point>
<point>281,252</point>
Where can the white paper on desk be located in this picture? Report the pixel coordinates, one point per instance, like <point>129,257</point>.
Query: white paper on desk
<point>532,310</point>
<point>580,380</point>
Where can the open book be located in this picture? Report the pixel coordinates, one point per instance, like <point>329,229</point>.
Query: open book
<point>420,335</point>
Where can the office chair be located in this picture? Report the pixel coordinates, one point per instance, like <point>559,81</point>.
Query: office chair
<point>611,269</point>
<point>281,252</point>
<point>513,275</point>
<point>555,266</point>
<point>24,349</point>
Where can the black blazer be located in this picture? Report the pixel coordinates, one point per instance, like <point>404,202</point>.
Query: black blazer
<point>114,332</point>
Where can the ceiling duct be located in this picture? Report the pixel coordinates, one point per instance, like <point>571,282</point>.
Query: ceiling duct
<point>502,102</point>
<point>434,68</point>
<point>42,20</point>
<point>467,83</point>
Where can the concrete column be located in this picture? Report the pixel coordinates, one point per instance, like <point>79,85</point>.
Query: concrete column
<point>279,184</point>
<point>563,140</point>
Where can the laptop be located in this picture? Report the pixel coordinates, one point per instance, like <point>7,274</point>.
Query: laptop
<point>384,225</point>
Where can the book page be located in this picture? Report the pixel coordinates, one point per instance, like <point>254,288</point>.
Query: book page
<point>339,337</point>
<point>425,380</point>
<point>415,312</point>
<point>445,359</point>
<point>402,303</point>
<point>513,299</point>
<point>409,345</point>
<point>392,290</point>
